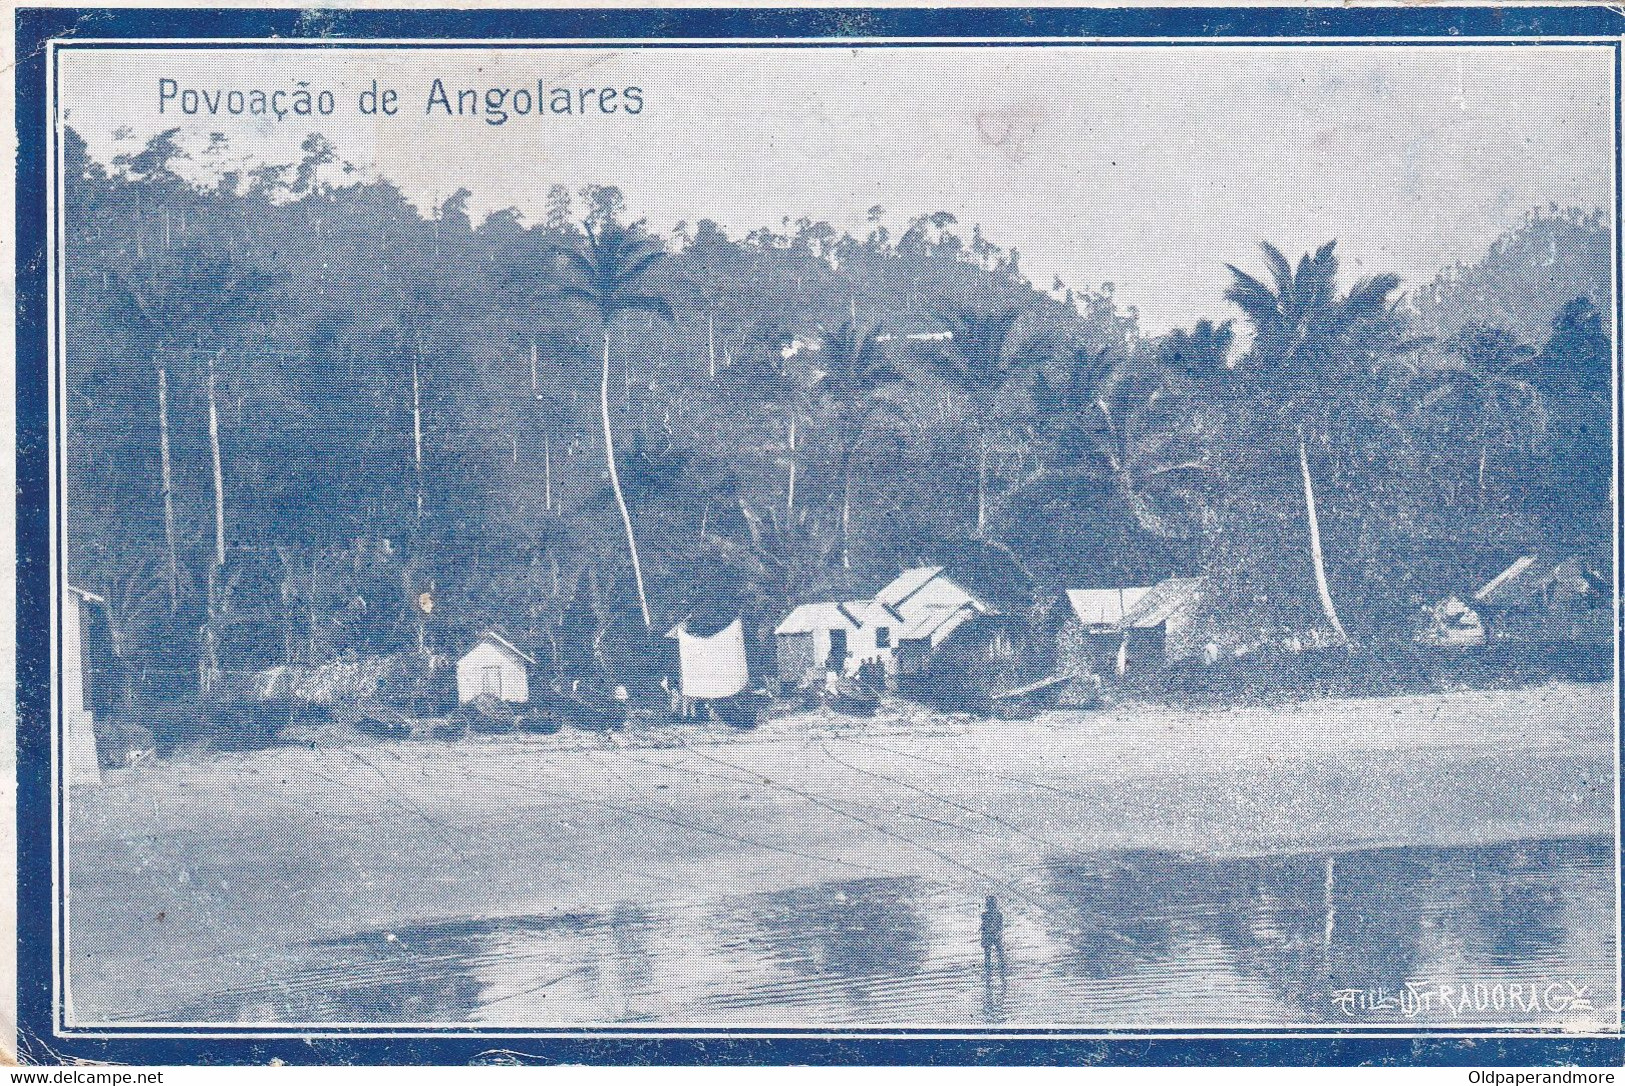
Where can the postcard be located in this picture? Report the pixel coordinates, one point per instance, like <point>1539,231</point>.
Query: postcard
<point>819,536</point>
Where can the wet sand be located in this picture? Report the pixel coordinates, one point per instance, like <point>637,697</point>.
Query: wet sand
<point>220,872</point>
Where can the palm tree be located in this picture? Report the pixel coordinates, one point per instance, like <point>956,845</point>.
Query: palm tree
<point>1310,344</point>
<point>1125,422</point>
<point>852,367</point>
<point>191,296</point>
<point>773,377</point>
<point>981,358</point>
<point>609,273</point>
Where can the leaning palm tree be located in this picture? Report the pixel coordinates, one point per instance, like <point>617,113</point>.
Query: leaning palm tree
<point>609,273</point>
<point>1310,345</point>
<point>979,361</point>
<point>852,367</point>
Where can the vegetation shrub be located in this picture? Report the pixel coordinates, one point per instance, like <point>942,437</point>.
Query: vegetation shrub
<point>121,737</point>
<point>1381,670</point>
<point>173,722</point>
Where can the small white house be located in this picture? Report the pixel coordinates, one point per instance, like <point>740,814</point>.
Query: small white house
<point>495,667</point>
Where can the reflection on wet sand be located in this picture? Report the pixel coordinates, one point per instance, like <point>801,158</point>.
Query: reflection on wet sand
<point>1131,938</point>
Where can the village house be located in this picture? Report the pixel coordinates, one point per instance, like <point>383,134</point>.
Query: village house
<point>930,636</point>
<point>929,607</point>
<point>1159,628</point>
<point>897,631</point>
<point>1089,637</point>
<point>816,638</point>
<point>495,668</point>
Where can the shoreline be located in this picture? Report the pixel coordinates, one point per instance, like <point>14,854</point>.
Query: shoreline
<point>202,872</point>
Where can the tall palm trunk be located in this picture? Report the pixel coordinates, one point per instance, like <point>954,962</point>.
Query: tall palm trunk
<point>615,485</point>
<point>846,510</point>
<point>711,343</point>
<point>981,485</point>
<point>219,473</point>
<point>1319,557</point>
<point>790,492</point>
<point>1483,465</point>
<point>168,478</point>
<point>417,430</point>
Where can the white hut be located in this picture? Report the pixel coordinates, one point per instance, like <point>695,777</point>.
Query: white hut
<point>495,667</point>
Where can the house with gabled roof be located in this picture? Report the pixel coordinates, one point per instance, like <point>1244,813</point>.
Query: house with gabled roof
<point>1541,598</point>
<point>919,609</point>
<point>1088,637</point>
<point>815,638</point>
<point>494,667</point>
<point>927,606</point>
<point>1159,627</point>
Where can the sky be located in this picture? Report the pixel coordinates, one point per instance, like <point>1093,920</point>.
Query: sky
<point>1147,167</point>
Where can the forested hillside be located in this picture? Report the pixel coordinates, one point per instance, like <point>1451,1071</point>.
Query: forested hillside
<point>297,398</point>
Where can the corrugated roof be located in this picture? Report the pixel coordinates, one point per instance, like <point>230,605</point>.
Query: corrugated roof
<point>1161,602</point>
<point>936,623</point>
<point>816,616</point>
<point>1498,584</point>
<point>906,585</point>
<point>1103,606</point>
<point>863,612</point>
<point>502,643</point>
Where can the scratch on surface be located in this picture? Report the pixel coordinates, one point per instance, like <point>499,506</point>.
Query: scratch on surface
<point>40,48</point>
<point>509,1057</point>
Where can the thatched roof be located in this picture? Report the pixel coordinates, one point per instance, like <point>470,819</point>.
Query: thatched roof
<point>1534,580</point>
<point>1161,602</point>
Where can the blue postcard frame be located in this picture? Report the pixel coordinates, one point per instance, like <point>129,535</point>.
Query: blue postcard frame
<point>39,1038</point>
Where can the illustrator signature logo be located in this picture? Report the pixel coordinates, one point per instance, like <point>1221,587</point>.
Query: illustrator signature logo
<point>1432,998</point>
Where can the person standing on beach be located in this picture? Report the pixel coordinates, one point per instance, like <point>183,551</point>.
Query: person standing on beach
<point>992,937</point>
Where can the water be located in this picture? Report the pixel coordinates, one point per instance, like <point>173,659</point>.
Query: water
<point>1518,933</point>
